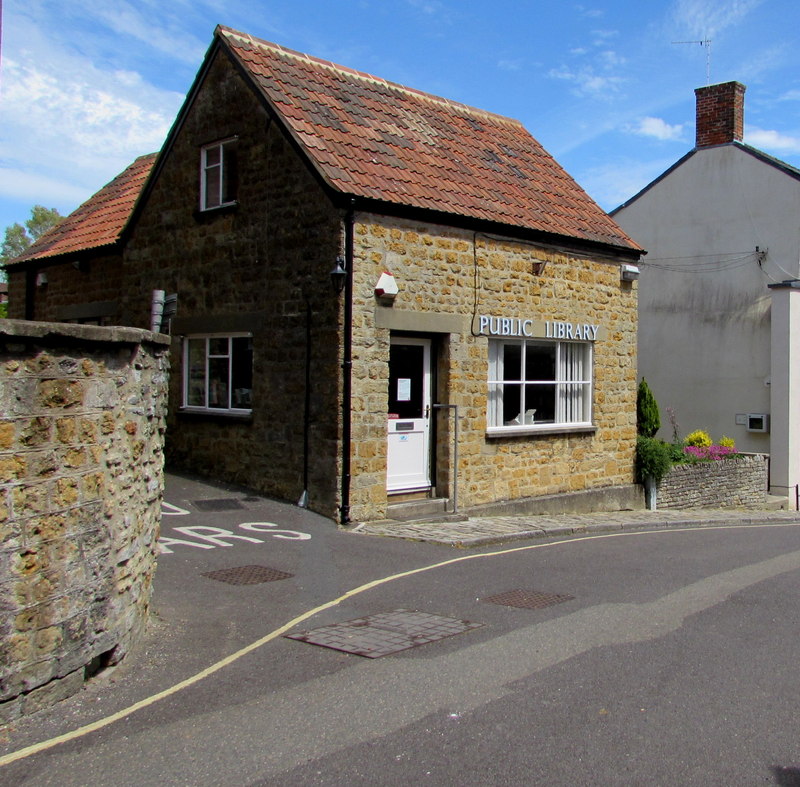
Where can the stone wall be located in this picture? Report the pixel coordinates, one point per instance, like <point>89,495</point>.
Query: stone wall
<point>728,483</point>
<point>82,421</point>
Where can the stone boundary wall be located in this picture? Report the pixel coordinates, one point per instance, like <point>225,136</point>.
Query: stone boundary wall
<point>728,483</point>
<point>82,422</point>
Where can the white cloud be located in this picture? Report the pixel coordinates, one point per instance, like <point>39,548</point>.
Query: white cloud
<point>159,27</point>
<point>587,82</point>
<point>592,13</point>
<point>89,113</point>
<point>166,36</point>
<point>610,59</point>
<point>425,6</point>
<point>706,18</point>
<point>771,140</point>
<point>69,124</point>
<point>432,8</point>
<point>657,128</point>
<point>598,76</point>
<point>510,65</point>
<point>602,37</point>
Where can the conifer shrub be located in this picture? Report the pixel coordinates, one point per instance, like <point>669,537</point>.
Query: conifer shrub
<point>648,421</point>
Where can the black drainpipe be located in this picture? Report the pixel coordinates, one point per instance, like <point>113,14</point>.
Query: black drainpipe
<point>303,501</point>
<point>347,363</point>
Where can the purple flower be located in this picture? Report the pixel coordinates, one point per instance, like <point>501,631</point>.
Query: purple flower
<point>713,452</point>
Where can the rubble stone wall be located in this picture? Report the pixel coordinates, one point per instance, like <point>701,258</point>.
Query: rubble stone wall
<point>728,483</point>
<point>82,421</point>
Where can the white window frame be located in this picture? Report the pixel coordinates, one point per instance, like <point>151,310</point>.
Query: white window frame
<point>187,379</point>
<point>574,388</point>
<point>206,168</point>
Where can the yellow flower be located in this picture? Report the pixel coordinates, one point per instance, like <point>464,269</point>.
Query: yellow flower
<point>699,438</point>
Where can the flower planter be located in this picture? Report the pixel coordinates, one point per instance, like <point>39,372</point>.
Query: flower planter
<point>650,493</point>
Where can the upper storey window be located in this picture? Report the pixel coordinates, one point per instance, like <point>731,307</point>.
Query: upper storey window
<point>218,174</point>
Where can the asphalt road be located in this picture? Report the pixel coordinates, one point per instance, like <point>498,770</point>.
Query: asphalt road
<point>673,662</point>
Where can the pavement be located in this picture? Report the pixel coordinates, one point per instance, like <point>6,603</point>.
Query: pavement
<point>485,531</point>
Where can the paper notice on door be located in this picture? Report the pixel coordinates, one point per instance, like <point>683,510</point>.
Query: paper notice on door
<point>403,389</point>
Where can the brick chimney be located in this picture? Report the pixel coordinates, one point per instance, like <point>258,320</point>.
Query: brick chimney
<point>720,114</point>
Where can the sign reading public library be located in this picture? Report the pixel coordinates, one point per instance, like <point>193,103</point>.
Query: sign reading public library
<point>538,329</point>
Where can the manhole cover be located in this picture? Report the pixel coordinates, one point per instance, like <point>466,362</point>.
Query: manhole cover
<point>218,504</point>
<point>386,633</point>
<point>528,599</point>
<point>247,575</point>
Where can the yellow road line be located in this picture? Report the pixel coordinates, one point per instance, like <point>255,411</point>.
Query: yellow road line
<point>196,678</point>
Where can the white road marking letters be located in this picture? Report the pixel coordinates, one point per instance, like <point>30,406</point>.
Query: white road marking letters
<point>164,545</point>
<point>219,537</point>
<point>167,509</point>
<point>261,527</point>
<point>214,535</point>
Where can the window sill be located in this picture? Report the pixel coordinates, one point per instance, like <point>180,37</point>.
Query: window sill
<point>190,414</point>
<point>206,214</point>
<point>533,431</point>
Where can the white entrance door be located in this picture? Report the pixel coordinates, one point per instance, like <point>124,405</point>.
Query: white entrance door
<point>408,460</point>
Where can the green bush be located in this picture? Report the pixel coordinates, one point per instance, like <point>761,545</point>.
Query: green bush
<point>648,421</point>
<point>653,458</point>
<point>676,453</point>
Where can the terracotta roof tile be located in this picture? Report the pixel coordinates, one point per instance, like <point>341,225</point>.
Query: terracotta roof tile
<point>376,139</point>
<point>100,220</point>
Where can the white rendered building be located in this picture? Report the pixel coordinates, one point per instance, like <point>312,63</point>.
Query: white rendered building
<point>719,304</point>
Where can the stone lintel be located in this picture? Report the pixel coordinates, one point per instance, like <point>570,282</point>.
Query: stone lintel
<point>424,322</point>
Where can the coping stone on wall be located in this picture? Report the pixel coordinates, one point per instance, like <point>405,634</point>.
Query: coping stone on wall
<point>26,329</point>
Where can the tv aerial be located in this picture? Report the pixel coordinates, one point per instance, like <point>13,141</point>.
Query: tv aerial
<point>706,42</point>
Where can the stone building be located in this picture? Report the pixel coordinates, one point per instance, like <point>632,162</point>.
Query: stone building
<point>477,345</point>
<point>73,273</point>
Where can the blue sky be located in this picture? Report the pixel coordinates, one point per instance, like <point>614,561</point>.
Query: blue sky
<point>88,85</point>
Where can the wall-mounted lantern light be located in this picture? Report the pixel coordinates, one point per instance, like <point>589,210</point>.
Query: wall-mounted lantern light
<point>338,275</point>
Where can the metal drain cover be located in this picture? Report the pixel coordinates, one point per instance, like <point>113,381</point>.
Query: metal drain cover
<point>247,575</point>
<point>386,633</point>
<point>528,599</point>
<point>218,504</point>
